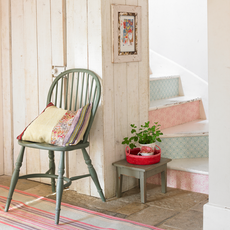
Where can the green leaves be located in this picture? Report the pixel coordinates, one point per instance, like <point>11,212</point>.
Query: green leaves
<point>133,130</point>
<point>146,135</point>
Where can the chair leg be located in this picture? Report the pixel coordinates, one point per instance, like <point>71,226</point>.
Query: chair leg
<point>14,178</point>
<point>60,186</point>
<point>93,174</point>
<point>52,167</point>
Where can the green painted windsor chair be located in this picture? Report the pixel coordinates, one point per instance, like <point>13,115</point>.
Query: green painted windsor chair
<point>71,90</point>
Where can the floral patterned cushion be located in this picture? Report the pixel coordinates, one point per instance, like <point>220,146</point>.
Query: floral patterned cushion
<point>58,126</point>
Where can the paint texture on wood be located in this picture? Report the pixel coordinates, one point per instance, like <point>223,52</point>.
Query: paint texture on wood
<point>58,32</point>
<point>44,66</point>
<point>37,35</point>
<point>7,87</point>
<point>18,80</point>
<point>125,94</point>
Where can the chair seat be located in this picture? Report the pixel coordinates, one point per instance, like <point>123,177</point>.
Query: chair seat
<point>47,146</point>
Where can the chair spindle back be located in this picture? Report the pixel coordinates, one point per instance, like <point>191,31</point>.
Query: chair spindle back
<point>73,89</point>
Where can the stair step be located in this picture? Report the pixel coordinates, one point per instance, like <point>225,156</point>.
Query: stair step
<point>187,174</point>
<point>174,111</point>
<point>165,103</point>
<point>193,165</point>
<point>185,147</point>
<point>197,127</point>
<point>164,87</point>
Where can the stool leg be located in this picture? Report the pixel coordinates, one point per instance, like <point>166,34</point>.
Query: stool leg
<point>119,180</point>
<point>164,181</point>
<point>52,167</point>
<point>60,186</point>
<point>14,178</point>
<point>143,187</point>
<point>93,174</point>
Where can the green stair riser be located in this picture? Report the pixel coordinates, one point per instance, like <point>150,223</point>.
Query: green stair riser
<point>164,88</point>
<point>184,147</point>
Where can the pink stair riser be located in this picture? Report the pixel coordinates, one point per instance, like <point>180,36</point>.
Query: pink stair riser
<point>183,180</point>
<point>175,115</point>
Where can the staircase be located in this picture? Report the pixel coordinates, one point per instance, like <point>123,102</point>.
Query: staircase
<point>186,136</point>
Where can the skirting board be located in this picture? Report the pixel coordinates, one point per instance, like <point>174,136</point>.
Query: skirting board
<point>216,217</point>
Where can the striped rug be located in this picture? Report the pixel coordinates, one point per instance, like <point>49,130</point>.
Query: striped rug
<point>31,212</point>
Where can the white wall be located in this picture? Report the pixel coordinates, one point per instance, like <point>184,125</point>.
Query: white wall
<point>178,31</point>
<point>39,34</point>
<point>192,85</point>
<point>1,118</point>
<point>216,212</point>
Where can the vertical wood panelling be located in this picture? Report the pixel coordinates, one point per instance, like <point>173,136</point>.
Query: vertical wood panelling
<point>77,40</point>
<point>95,64</point>
<point>120,107</point>
<point>132,95</point>
<point>18,79</point>
<point>31,77</point>
<point>77,57</point>
<point>38,42</point>
<point>58,32</point>
<point>58,41</point>
<point>1,117</point>
<point>122,101</point>
<point>144,64</point>
<point>44,65</point>
<point>108,100</point>
<point>7,87</point>
<point>121,112</point>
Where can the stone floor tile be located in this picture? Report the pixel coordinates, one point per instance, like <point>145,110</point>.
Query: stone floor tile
<point>40,190</point>
<point>165,227</point>
<point>74,198</point>
<point>22,184</point>
<point>178,201</point>
<point>175,210</point>
<point>199,207</point>
<point>152,215</point>
<point>132,208</point>
<point>188,220</point>
<point>110,205</point>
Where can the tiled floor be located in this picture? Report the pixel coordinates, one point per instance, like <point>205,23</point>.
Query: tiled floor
<point>175,210</point>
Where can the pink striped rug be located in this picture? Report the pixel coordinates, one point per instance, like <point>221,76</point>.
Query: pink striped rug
<point>28,211</point>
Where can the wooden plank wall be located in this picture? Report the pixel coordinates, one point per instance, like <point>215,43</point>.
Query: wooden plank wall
<point>125,94</point>
<point>27,58</point>
<point>7,87</point>
<point>39,34</point>
<point>77,57</point>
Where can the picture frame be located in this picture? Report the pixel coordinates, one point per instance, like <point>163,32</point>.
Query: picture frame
<point>126,33</point>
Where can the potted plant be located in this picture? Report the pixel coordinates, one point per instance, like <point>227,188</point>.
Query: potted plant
<point>146,136</point>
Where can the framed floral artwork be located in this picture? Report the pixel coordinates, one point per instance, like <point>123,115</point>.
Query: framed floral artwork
<point>126,33</point>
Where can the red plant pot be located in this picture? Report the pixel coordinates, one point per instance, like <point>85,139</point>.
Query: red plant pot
<point>132,156</point>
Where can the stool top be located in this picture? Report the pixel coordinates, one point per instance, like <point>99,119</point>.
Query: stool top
<point>124,164</point>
